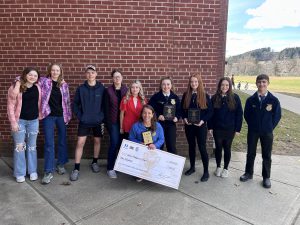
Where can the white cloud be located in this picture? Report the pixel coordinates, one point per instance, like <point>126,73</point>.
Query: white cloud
<point>274,14</point>
<point>240,43</point>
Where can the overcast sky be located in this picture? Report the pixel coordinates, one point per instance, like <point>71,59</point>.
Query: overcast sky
<point>256,24</point>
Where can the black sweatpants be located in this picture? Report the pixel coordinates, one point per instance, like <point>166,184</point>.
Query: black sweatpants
<point>223,140</point>
<point>266,141</point>
<point>194,133</point>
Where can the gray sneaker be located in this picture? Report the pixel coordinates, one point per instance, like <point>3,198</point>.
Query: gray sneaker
<point>112,174</point>
<point>95,167</point>
<point>74,175</point>
<point>47,178</point>
<point>60,169</point>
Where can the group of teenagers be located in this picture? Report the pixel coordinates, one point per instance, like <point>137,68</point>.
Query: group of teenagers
<point>127,114</point>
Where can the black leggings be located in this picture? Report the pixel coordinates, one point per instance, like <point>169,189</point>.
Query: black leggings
<point>194,133</point>
<point>170,136</point>
<point>223,139</point>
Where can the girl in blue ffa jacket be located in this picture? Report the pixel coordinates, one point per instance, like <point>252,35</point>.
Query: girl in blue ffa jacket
<point>262,114</point>
<point>166,96</point>
<point>225,123</point>
<point>147,122</point>
<point>196,98</point>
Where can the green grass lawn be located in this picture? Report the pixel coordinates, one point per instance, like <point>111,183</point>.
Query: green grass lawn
<point>277,84</point>
<point>286,134</point>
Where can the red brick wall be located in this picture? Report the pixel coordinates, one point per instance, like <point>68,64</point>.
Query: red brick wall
<point>147,39</point>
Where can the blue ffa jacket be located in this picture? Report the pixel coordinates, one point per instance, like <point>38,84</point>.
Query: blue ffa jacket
<point>158,100</point>
<point>264,118</point>
<point>224,119</point>
<point>138,128</point>
<point>88,104</point>
<point>205,114</point>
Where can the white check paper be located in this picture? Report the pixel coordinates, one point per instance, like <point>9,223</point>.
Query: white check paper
<point>154,165</point>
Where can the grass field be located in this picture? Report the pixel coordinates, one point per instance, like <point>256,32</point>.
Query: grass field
<point>278,84</point>
<point>286,134</point>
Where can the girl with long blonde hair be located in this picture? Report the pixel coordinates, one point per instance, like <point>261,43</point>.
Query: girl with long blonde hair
<point>131,107</point>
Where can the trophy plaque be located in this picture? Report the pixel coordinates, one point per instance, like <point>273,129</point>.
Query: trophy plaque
<point>147,137</point>
<point>194,116</point>
<point>169,112</point>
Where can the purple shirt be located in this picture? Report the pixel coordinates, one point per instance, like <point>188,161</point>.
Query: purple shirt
<point>46,87</point>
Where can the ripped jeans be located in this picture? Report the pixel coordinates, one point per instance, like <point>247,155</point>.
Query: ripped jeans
<point>25,141</point>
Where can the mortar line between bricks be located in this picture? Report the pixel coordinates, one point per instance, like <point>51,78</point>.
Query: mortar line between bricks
<point>276,180</point>
<point>44,197</point>
<point>102,209</point>
<point>215,207</point>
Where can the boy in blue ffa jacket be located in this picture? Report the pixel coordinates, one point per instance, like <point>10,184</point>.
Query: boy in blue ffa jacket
<point>89,109</point>
<point>262,114</point>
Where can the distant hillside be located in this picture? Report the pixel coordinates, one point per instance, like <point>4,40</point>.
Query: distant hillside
<point>264,60</point>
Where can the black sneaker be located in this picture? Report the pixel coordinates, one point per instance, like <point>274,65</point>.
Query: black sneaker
<point>245,177</point>
<point>189,171</point>
<point>204,177</point>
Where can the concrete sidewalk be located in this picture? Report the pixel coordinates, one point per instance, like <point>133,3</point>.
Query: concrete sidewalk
<point>287,102</point>
<point>96,199</point>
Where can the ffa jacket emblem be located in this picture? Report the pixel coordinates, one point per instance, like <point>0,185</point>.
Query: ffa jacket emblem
<point>269,107</point>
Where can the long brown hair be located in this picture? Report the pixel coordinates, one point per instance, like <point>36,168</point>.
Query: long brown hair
<point>60,78</point>
<point>201,95</point>
<point>153,120</point>
<point>217,97</point>
<point>23,78</point>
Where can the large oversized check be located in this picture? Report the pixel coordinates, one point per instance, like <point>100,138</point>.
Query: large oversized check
<point>153,165</point>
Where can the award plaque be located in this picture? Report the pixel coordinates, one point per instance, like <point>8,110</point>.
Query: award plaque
<point>194,116</point>
<point>169,112</point>
<point>147,137</point>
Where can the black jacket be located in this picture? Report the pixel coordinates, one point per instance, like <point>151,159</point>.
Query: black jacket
<point>158,100</point>
<point>224,119</point>
<point>205,114</point>
<point>264,118</point>
<point>88,104</point>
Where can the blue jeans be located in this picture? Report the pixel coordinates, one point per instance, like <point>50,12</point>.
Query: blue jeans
<point>49,149</point>
<point>25,141</point>
<point>115,138</point>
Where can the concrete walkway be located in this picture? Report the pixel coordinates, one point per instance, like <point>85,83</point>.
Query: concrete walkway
<point>96,199</point>
<point>287,102</point>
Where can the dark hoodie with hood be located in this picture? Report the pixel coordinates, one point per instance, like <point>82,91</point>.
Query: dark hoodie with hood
<point>88,104</point>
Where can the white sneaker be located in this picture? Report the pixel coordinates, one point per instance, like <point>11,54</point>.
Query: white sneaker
<point>218,172</point>
<point>112,174</point>
<point>33,176</point>
<point>224,173</point>
<point>20,179</point>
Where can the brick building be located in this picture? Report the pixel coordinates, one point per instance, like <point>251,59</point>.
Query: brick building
<point>147,39</point>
